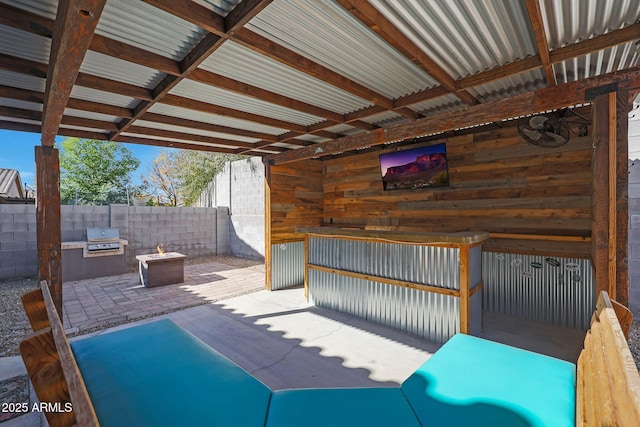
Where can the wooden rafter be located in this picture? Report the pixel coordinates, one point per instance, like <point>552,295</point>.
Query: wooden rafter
<point>231,27</point>
<point>273,50</point>
<point>268,48</point>
<point>378,23</point>
<point>537,23</point>
<point>581,48</point>
<point>528,103</point>
<point>75,24</point>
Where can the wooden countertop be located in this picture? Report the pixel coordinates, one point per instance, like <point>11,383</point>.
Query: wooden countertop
<point>460,238</point>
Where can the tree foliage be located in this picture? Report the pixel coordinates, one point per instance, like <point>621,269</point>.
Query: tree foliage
<point>95,172</point>
<point>183,175</point>
<point>162,181</point>
<point>197,169</point>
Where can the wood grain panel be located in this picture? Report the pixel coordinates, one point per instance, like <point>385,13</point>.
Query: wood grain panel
<point>497,182</point>
<point>295,199</point>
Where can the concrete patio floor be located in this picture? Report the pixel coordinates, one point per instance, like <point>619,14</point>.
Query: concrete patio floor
<point>277,336</point>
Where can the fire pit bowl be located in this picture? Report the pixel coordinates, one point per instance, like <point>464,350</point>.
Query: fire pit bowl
<point>161,269</point>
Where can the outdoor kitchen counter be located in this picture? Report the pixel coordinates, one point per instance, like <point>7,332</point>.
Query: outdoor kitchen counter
<point>82,244</point>
<point>460,238</point>
<point>78,263</point>
<point>427,284</point>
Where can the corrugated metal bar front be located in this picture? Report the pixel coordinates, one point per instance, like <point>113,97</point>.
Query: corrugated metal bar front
<point>549,289</point>
<point>429,315</point>
<point>287,265</point>
<point>426,265</point>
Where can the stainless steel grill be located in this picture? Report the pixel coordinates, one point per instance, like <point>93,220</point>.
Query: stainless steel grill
<point>103,240</point>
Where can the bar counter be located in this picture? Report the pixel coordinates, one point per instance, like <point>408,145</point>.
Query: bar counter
<point>427,284</point>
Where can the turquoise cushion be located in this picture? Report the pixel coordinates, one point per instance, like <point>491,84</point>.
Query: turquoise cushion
<point>341,407</point>
<point>158,374</point>
<point>475,382</point>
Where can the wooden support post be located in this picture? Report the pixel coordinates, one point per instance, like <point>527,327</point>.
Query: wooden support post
<point>306,267</point>
<point>48,221</point>
<point>610,196</point>
<point>267,225</point>
<point>622,197</point>
<point>464,289</point>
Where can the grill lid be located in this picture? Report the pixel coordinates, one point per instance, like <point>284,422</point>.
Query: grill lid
<point>102,235</point>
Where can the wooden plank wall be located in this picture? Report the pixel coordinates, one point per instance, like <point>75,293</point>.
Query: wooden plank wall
<point>295,199</point>
<point>532,199</point>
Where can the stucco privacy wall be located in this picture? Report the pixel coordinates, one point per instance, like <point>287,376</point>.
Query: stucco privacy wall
<point>634,236</point>
<point>240,188</point>
<point>188,230</point>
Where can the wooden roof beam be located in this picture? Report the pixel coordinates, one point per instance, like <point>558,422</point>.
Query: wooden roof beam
<point>559,96</point>
<point>143,130</point>
<point>75,24</point>
<point>279,53</point>
<point>77,104</point>
<point>194,124</point>
<point>378,23</point>
<point>594,44</point>
<point>537,23</point>
<point>216,25</point>
<point>198,15</point>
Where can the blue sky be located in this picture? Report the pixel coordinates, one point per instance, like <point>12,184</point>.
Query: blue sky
<point>17,152</point>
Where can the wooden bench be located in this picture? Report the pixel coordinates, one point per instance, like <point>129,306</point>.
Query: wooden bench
<point>149,374</point>
<point>608,386</point>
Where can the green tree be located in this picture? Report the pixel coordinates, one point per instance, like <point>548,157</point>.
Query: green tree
<point>197,169</point>
<point>96,172</point>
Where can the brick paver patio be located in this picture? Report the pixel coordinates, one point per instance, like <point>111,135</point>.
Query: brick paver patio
<point>108,301</point>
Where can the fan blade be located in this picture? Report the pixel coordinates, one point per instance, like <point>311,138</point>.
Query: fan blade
<point>533,135</point>
<point>557,138</point>
<point>537,122</point>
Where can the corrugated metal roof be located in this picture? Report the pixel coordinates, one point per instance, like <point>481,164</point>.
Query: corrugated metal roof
<point>240,63</point>
<point>24,105</point>
<point>22,81</point>
<point>157,138</point>
<point>221,7</point>
<point>214,119</point>
<point>84,128</point>
<point>24,45</point>
<point>8,178</point>
<point>464,37</point>
<point>120,70</point>
<point>509,86</point>
<point>388,118</point>
<point>91,115</point>
<point>162,126</point>
<point>438,105</point>
<point>45,8</point>
<point>94,95</point>
<point>601,62</point>
<point>217,96</point>
<point>325,32</point>
<point>570,21</point>
<point>147,27</point>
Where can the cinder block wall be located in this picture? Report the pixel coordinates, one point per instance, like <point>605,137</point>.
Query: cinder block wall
<point>17,241</point>
<point>239,187</point>
<point>191,231</point>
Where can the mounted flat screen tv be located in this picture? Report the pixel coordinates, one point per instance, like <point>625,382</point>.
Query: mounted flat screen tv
<point>415,168</point>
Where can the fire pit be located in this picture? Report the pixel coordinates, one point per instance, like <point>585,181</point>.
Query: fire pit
<point>161,269</point>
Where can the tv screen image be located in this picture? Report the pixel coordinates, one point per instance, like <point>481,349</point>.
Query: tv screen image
<point>415,168</point>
